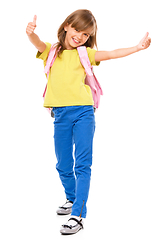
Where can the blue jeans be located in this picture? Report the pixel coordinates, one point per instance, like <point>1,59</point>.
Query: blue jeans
<point>74,125</point>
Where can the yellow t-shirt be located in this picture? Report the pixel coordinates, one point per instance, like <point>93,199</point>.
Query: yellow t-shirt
<point>66,85</point>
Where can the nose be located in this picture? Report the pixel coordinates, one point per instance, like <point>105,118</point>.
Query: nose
<point>79,35</point>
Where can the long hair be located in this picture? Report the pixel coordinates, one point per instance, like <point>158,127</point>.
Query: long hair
<point>81,20</point>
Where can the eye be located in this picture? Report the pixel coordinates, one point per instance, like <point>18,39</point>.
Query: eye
<point>85,34</point>
<point>77,30</point>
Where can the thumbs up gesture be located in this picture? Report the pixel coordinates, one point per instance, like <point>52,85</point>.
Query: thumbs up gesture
<point>145,42</point>
<point>31,26</point>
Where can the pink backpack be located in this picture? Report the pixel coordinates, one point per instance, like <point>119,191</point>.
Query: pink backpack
<point>90,79</point>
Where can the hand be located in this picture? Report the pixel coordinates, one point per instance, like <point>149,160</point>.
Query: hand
<point>31,26</point>
<point>144,43</point>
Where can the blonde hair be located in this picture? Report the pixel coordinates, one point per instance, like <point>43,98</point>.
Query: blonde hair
<point>81,20</point>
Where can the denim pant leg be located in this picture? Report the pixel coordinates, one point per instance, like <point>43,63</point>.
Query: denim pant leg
<point>83,132</point>
<point>64,151</point>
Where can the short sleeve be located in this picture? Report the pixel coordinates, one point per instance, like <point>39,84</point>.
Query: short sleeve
<point>91,55</point>
<point>44,54</point>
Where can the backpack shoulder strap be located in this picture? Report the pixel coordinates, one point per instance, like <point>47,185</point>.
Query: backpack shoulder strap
<point>84,59</point>
<point>50,60</point>
<point>90,79</point>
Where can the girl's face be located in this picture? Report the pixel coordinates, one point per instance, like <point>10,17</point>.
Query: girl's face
<point>75,38</point>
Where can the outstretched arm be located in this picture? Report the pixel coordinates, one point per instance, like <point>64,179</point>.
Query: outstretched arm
<point>34,39</point>
<point>123,52</point>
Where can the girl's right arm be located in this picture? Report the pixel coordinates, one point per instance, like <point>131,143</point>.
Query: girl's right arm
<point>34,39</point>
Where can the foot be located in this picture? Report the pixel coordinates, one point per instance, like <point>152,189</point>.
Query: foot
<point>65,209</point>
<point>73,225</point>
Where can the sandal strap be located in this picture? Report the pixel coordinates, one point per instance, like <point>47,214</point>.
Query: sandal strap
<point>79,222</point>
<point>65,208</point>
<point>67,226</point>
<point>70,226</point>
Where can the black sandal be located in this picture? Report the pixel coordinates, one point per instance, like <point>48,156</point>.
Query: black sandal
<point>64,210</point>
<point>69,229</point>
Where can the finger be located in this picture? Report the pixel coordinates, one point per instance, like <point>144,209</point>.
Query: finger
<point>34,19</point>
<point>147,43</point>
<point>31,28</point>
<point>145,37</point>
<point>31,24</point>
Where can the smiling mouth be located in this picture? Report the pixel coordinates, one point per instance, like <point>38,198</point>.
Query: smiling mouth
<point>75,41</point>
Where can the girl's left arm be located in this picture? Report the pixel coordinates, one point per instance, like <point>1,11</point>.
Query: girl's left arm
<point>123,52</point>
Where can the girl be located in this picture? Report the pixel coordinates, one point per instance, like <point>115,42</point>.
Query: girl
<point>72,105</point>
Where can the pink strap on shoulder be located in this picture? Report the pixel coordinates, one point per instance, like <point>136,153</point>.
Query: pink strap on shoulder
<point>84,59</point>
<point>83,54</point>
<point>90,79</point>
<point>51,58</point>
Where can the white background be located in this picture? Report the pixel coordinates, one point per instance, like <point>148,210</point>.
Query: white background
<point>127,188</point>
